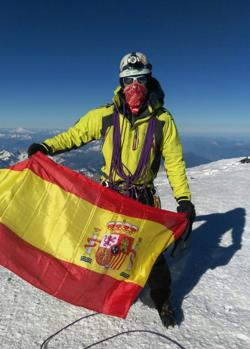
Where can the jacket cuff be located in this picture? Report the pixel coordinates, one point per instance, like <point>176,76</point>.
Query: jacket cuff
<point>182,198</point>
<point>48,148</point>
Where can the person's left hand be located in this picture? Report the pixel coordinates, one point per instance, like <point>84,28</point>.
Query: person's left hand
<point>187,207</point>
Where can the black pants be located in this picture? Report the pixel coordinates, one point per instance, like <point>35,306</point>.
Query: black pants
<point>160,282</point>
<point>160,278</point>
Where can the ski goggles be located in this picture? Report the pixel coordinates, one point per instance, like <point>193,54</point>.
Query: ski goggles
<point>143,79</point>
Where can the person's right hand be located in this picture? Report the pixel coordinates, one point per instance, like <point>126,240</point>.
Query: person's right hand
<point>35,147</point>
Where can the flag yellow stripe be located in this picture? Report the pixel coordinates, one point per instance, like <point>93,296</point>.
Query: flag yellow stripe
<point>60,223</point>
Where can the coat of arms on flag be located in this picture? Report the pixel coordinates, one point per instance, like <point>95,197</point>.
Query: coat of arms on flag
<point>116,249</point>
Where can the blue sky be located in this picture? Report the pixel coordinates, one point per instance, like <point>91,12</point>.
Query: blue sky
<point>58,59</point>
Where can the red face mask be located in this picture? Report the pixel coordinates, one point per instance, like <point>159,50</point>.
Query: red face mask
<point>135,95</point>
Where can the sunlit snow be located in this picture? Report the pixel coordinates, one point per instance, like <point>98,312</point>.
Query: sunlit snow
<point>211,281</point>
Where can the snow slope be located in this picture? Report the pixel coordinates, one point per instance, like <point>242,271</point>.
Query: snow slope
<point>211,282</point>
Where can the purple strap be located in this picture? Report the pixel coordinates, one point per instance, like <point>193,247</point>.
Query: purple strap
<point>116,164</point>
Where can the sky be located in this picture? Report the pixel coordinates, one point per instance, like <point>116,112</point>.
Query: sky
<point>59,59</point>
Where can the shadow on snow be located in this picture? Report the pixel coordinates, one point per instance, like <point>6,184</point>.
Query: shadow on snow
<point>205,252</point>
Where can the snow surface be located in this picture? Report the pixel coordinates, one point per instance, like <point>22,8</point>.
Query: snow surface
<point>5,155</point>
<point>211,282</point>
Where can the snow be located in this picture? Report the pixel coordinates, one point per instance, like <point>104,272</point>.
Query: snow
<point>211,281</point>
<point>21,130</point>
<point>5,155</point>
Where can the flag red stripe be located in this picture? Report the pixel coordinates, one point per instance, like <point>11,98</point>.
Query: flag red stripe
<point>98,195</point>
<point>71,283</point>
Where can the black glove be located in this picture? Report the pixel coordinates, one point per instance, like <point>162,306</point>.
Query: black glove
<point>35,147</point>
<point>187,207</point>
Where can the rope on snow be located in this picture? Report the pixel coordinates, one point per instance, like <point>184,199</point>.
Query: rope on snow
<point>46,342</point>
<point>134,331</point>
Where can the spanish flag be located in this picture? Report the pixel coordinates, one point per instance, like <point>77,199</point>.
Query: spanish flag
<point>77,240</point>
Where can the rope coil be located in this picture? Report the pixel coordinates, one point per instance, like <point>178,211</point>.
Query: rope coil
<point>44,345</point>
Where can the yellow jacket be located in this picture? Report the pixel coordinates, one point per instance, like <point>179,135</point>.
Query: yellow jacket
<point>97,124</point>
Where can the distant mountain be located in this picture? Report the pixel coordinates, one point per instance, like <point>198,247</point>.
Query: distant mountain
<point>21,130</point>
<point>197,150</point>
<point>18,140</point>
<point>192,159</point>
<point>87,159</point>
<point>6,157</point>
<point>216,148</point>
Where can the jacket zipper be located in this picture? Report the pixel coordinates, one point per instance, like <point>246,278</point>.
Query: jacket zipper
<point>136,139</point>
